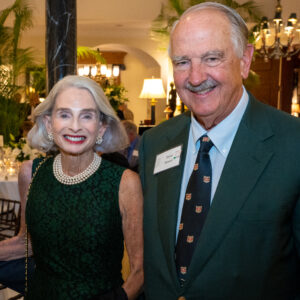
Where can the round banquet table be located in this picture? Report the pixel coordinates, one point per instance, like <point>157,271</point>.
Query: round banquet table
<point>9,188</point>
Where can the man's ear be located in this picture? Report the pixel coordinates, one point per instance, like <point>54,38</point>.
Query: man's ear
<point>47,122</point>
<point>246,61</point>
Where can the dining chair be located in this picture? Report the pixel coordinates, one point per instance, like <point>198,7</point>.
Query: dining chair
<point>9,218</point>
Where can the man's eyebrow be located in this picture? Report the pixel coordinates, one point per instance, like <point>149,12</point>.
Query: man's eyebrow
<point>218,53</point>
<point>179,58</point>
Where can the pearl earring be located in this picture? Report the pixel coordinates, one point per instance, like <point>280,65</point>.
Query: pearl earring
<point>99,140</point>
<point>50,137</point>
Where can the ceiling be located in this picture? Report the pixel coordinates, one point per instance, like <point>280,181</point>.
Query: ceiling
<point>127,15</point>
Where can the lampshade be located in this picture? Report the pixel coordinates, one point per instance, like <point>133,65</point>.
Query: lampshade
<point>153,88</point>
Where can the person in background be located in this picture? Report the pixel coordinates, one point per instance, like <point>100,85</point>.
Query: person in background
<point>120,112</point>
<point>124,113</point>
<point>128,114</point>
<point>222,182</point>
<point>131,152</point>
<point>80,207</point>
<point>26,126</point>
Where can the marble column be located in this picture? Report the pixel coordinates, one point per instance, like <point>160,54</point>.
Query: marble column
<point>61,41</point>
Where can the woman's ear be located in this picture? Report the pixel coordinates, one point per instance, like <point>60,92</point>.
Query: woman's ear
<point>102,129</point>
<point>47,122</point>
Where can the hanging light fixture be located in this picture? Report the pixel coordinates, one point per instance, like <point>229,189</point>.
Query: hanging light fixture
<point>276,40</point>
<point>116,70</point>
<point>103,69</point>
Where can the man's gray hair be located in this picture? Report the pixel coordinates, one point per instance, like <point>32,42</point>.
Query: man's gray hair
<point>114,138</point>
<point>239,30</point>
<point>130,126</point>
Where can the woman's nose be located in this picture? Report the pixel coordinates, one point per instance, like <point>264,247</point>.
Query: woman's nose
<point>75,125</point>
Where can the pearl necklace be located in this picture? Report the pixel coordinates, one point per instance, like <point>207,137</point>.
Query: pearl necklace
<point>71,180</point>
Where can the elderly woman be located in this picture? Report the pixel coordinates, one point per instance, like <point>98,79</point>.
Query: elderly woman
<point>80,206</point>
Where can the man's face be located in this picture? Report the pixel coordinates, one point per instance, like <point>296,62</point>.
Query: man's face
<point>207,71</point>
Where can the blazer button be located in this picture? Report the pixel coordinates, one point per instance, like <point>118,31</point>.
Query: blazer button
<point>181,298</point>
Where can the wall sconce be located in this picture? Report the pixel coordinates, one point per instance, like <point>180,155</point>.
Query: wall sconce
<point>152,88</point>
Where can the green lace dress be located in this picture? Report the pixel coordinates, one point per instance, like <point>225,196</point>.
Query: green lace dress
<point>76,234</point>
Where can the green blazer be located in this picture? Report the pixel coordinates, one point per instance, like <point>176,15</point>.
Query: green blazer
<point>249,247</point>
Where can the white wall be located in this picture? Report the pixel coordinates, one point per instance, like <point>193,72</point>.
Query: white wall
<point>132,79</point>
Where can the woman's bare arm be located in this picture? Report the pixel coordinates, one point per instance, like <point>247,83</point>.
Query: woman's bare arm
<point>14,247</point>
<point>131,208</point>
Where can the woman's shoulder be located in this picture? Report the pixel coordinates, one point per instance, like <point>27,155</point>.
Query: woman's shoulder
<point>25,172</point>
<point>130,180</point>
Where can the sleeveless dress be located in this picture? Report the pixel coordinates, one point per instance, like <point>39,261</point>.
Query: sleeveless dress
<point>76,234</point>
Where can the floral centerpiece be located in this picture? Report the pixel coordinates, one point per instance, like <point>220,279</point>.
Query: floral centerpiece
<point>115,95</point>
<point>20,150</point>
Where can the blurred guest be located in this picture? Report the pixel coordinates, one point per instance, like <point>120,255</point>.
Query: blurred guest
<point>131,152</point>
<point>26,126</point>
<point>128,114</point>
<point>79,205</point>
<point>124,113</point>
<point>120,112</point>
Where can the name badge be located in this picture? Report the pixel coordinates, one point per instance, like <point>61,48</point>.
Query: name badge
<point>168,159</point>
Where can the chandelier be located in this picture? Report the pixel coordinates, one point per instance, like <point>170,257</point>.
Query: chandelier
<point>101,73</point>
<point>274,39</point>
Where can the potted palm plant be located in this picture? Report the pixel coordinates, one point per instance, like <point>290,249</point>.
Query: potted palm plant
<point>13,62</point>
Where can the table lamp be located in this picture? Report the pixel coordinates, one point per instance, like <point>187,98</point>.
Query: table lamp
<point>153,89</point>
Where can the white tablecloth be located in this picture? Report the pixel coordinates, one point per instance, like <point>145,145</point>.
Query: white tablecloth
<point>9,188</point>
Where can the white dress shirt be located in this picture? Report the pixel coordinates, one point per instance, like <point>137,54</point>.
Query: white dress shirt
<point>222,136</point>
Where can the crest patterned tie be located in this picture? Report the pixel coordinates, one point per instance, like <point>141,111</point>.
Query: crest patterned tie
<point>195,208</point>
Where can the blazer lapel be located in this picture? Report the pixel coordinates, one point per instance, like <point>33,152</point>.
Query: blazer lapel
<point>247,159</point>
<point>168,192</point>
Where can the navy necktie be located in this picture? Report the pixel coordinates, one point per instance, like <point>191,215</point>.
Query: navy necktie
<point>195,208</point>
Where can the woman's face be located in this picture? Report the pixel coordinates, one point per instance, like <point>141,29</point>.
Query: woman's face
<point>74,121</point>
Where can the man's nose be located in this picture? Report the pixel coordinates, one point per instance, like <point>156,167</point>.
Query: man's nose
<point>197,74</point>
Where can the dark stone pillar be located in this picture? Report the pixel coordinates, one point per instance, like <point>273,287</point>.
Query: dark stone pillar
<point>61,41</point>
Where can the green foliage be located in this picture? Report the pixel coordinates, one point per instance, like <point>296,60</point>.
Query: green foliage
<point>86,52</point>
<point>38,79</point>
<point>12,116</point>
<point>7,88</point>
<point>116,95</point>
<point>171,12</point>
<point>17,59</point>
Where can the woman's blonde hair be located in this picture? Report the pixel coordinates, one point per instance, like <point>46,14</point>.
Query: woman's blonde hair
<point>114,138</point>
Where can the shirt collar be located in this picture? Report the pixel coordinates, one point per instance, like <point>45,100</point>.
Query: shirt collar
<point>222,135</point>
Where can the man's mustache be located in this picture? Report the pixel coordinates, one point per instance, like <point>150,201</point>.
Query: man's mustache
<point>207,84</point>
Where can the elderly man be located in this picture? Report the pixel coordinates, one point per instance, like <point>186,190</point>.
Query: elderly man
<point>221,183</point>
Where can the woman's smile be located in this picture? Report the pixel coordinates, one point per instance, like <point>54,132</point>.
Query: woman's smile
<point>75,139</point>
